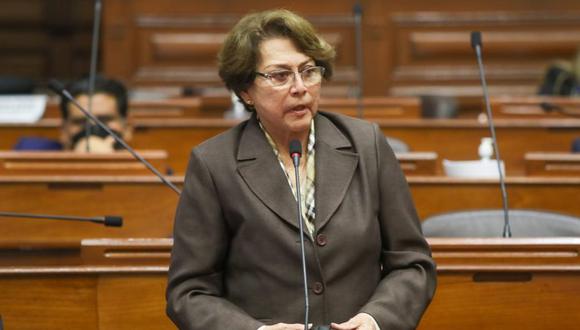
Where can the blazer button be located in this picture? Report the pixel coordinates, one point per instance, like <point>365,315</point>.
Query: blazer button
<point>321,240</point>
<point>318,288</point>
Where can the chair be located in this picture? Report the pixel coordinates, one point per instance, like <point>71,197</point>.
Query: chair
<point>15,85</point>
<point>397,145</point>
<point>489,223</point>
<point>576,145</point>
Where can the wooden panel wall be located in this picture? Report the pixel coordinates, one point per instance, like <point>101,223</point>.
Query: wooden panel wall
<point>411,47</point>
<point>176,42</point>
<point>42,39</point>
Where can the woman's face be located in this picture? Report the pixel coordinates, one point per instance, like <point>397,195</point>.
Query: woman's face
<point>284,110</point>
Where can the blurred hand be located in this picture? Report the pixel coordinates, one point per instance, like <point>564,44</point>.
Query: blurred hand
<point>361,321</point>
<point>97,144</point>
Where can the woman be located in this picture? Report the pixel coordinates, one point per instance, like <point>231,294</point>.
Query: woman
<point>236,257</point>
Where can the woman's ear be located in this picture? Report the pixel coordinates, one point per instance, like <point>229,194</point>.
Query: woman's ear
<point>246,98</point>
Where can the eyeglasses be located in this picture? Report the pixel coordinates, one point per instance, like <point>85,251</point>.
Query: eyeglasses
<point>282,78</point>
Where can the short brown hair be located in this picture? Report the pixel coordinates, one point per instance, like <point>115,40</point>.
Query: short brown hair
<point>240,53</point>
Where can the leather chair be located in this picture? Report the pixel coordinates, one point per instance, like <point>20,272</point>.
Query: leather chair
<point>489,223</point>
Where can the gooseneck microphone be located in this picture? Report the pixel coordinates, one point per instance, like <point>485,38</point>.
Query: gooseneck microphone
<point>93,69</point>
<point>358,11</point>
<point>108,220</point>
<point>295,149</point>
<point>476,44</point>
<point>58,88</point>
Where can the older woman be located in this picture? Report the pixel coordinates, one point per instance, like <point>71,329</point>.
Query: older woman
<point>236,257</point>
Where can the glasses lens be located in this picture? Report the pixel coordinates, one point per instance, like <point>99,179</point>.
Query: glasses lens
<point>312,76</point>
<point>279,78</point>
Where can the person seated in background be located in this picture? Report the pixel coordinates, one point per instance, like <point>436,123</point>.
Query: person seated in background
<point>109,104</point>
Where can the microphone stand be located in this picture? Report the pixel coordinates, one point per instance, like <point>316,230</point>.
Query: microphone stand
<point>476,44</point>
<point>108,220</point>
<point>357,10</point>
<point>295,153</point>
<point>93,70</point>
<point>57,87</point>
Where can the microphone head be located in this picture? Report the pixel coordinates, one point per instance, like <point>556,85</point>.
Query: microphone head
<point>547,107</point>
<point>475,39</point>
<point>113,221</point>
<point>56,86</point>
<point>295,148</point>
<point>357,8</point>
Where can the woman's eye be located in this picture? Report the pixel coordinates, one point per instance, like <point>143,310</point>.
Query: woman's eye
<point>280,76</point>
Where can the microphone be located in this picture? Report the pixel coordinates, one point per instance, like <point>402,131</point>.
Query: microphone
<point>357,11</point>
<point>551,107</point>
<point>108,220</point>
<point>93,69</point>
<point>295,153</point>
<point>58,88</point>
<point>476,44</point>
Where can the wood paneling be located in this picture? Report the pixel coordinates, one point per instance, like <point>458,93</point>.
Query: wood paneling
<point>162,46</point>
<point>482,284</point>
<point>504,284</point>
<point>454,139</point>
<point>540,107</point>
<point>434,195</point>
<point>148,206</point>
<point>18,163</point>
<point>45,39</point>
<point>552,164</point>
<point>410,47</point>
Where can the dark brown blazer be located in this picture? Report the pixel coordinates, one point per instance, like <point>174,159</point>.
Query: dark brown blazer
<point>236,254</point>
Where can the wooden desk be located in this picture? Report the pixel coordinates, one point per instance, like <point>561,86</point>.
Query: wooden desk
<point>176,107</point>
<point>439,194</point>
<point>73,163</point>
<point>552,164</point>
<point>120,284</point>
<point>455,139</point>
<point>148,206</point>
<point>458,139</point>
<point>505,284</point>
<point>526,107</point>
<point>419,163</point>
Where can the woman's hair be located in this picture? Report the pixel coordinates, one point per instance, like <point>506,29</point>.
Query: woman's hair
<point>240,53</point>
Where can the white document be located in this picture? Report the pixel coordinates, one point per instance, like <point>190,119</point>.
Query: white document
<point>21,109</point>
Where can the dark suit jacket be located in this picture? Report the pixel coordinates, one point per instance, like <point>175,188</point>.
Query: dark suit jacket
<point>236,254</point>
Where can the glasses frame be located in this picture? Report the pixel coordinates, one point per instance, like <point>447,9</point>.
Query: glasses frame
<point>268,76</point>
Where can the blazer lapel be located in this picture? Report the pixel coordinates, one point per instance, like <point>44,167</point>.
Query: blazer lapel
<point>261,171</point>
<point>336,163</point>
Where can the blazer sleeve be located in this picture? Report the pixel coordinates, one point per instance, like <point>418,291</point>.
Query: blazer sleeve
<point>200,243</point>
<point>408,271</point>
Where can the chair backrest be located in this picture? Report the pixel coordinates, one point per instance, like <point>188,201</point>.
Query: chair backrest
<point>397,145</point>
<point>489,223</point>
<point>576,145</point>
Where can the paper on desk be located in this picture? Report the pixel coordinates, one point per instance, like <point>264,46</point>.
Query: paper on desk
<point>21,109</point>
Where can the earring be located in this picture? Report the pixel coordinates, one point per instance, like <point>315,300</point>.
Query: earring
<point>249,102</point>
